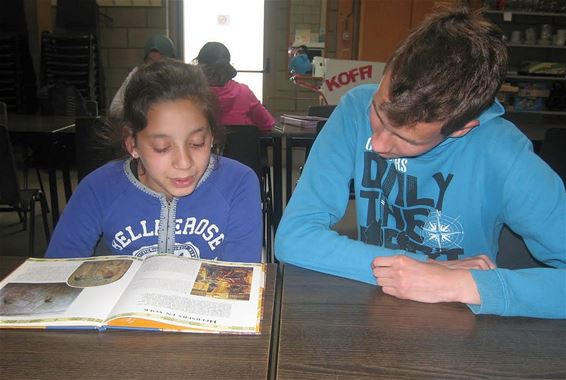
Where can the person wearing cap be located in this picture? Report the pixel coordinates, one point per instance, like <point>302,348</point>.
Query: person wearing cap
<point>238,104</point>
<point>156,47</point>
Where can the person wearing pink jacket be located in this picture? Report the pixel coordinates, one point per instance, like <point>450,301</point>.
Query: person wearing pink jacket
<point>238,104</point>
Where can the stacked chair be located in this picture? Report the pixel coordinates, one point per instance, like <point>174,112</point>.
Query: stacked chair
<point>71,60</point>
<point>17,75</point>
<point>70,56</point>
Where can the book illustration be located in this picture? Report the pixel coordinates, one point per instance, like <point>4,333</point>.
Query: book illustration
<point>34,298</point>
<point>97,273</point>
<point>223,282</point>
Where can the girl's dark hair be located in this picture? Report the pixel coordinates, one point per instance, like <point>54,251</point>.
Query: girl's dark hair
<point>168,80</point>
<point>449,70</point>
<point>214,59</point>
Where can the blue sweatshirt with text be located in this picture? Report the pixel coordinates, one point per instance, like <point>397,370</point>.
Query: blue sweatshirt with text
<point>220,220</point>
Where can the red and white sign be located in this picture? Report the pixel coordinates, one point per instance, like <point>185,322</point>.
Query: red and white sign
<point>340,76</point>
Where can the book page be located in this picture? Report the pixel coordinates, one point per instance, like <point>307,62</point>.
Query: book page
<point>64,292</point>
<point>185,293</point>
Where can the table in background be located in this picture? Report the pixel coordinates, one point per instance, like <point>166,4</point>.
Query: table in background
<point>295,137</point>
<point>77,354</point>
<point>332,327</point>
<point>48,131</point>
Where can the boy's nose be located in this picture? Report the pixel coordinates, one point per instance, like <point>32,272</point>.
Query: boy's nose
<point>381,141</point>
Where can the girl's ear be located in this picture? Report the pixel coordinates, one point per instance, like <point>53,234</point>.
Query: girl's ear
<point>130,142</point>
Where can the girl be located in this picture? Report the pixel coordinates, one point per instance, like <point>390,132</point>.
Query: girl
<point>238,104</point>
<point>172,195</point>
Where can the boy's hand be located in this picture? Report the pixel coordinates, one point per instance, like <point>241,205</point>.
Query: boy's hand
<point>406,278</point>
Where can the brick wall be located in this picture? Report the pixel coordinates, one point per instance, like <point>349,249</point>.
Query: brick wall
<point>123,38</point>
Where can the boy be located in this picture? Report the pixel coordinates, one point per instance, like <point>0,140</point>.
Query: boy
<point>437,173</point>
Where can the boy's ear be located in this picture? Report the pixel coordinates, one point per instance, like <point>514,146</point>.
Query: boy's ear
<point>467,128</point>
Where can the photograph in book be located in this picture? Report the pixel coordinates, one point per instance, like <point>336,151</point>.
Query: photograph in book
<point>34,299</point>
<point>220,282</point>
<point>161,292</point>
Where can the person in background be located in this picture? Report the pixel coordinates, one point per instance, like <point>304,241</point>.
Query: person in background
<point>156,47</point>
<point>238,104</point>
<point>437,173</point>
<point>173,194</point>
<point>300,63</point>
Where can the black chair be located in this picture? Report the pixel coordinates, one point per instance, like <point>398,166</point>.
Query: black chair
<point>242,144</point>
<point>15,199</point>
<point>59,99</point>
<point>92,149</point>
<point>321,111</point>
<point>553,150</point>
<point>513,252</point>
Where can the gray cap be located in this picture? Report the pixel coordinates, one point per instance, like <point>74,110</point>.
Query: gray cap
<point>160,43</point>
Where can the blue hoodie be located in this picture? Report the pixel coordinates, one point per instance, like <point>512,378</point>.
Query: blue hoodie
<point>300,64</point>
<point>448,203</point>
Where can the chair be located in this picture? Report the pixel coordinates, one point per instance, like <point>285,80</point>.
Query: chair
<point>91,148</point>
<point>553,150</point>
<point>15,199</point>
<point>513,253</point>
<point>321,111</point>
<point>242,144</point>
<point>60,99</point>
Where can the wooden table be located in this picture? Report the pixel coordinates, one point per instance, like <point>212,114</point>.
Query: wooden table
<point>341,329</point>
<point>40,354</point>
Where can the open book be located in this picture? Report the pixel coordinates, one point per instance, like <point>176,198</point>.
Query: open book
<point>161,292</point>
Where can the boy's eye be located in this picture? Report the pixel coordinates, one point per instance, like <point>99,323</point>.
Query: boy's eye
<point>198,144</point>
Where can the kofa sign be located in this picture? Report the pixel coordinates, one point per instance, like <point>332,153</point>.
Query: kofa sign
<point>340,76</point>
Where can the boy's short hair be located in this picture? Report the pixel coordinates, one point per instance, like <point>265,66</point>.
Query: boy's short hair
<point>449,69</point>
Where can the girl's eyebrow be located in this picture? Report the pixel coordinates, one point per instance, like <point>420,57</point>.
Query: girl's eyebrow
<point>164,136</point>
<point>199,130</point>
<point>412,142</point>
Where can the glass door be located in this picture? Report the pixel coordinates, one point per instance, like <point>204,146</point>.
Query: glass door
<point>236,24</point>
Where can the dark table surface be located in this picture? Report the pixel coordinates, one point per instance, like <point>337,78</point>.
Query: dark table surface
<point>40,354</point>
<point>341,329</point>
<point>43,124</point>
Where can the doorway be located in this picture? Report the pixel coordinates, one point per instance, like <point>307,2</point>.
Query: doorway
<point>236,24</point>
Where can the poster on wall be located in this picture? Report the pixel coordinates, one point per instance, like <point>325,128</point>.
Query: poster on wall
<point>342,75</point>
